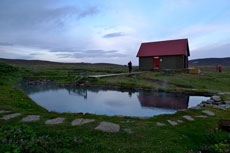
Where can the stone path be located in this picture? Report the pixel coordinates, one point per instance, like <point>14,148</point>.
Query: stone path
<point>103,126</point>
<point>172,122</point>
<point>208,113</point>
<point>4,111</point>
<point>54,121</point>
<point>108,127</point>
<point>160,124</point>
<point>7,117</point>
<point>189,118</point>
<point>81,121</point>
<point>31,118</point>
<point>129,131</point>
<point>201,116</point>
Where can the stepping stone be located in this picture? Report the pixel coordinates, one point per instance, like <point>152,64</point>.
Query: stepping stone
<point>179,121</point>
<point>201,116</point>
<point>4,111</point>
<point>7,117</point>
<point>189,118</point>
<point>81,121</point>
<point>108,127</point>
<point>160,124</point>
<point>31,118</point>
<point>172,122</point>
<point>57,120</point>
<point>208,113</point>
<point>129,131</point>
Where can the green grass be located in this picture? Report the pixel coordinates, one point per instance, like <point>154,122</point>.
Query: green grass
<point>147,137</point>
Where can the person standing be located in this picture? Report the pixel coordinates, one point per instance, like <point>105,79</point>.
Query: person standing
<point>130,66</point>
<point>220,68</point>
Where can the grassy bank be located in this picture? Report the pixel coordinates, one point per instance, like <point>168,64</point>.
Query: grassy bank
<point>208,81</point>
<point>17,136</point>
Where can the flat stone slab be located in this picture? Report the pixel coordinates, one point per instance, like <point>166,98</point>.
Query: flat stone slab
<point>4,111</point>
<point>172,122</point>
<point>81,121</point>
<point>207,112</point>
<point>189,118</point>
<point>7,117</point>
<point>160,124</point>
<point>54,121</point>
<point>31,118</point>
<point>108,127</point>
<point>179,121</point>
<point>129,131</point>
<point>201,116</point>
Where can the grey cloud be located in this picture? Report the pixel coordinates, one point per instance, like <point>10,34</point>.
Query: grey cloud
<point>89,11</point>
<point>64,55</point>
<point>98,53</point>
<point>218,50</point>
<point>6,44</point>
<point>39,23</point>
<point>87,53</point>
<point>115,34</point>
<point>34,14</point>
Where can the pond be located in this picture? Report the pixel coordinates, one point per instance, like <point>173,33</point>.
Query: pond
<point>111,102</point>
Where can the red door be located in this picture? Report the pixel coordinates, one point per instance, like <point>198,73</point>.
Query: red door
<point>156,62</point>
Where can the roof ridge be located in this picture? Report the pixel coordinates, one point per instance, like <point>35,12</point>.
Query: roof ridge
<point>164,40</point>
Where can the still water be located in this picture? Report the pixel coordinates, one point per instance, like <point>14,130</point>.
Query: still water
<point>104,101</point>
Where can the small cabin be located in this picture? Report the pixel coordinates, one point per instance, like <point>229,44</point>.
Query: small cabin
<point>160,55</point>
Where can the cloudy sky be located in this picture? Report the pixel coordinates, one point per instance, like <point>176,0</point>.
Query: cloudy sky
<point>110,30</point>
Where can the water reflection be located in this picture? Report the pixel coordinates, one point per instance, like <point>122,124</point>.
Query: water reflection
<point>163,100</point>
<point>108,101</point>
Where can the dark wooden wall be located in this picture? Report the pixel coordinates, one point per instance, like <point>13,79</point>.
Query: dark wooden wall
<point>166,62</point>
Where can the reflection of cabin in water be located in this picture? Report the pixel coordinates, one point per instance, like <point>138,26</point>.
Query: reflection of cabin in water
<point>163,100</point>
<point>170,54</point>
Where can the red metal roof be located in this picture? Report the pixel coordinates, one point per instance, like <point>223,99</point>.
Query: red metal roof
<point>164,48</point>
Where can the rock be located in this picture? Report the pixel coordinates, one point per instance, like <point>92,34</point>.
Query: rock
<point>216,98</point>
<point>4,111</point>
<point>196,107</point>
<point>7,117</point>
<point>223,107</point>
<point>81,121</point>
<point>201,105</point>
<point>57,120</point>
<point>172,122</point>
<point>209,101</point>
<point>31,118</point>
<point>179,121</point>
<point>227,102</point>
<point>217,103</point>
<point>208,105</point>
<point>208,113</point>
<point>108,127</point>
<point>189,118</point>
<point>227,106</point>
<point>129,131</point>
<point>160,124</point>
<point>224,125</point>
<point>201,116</point>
